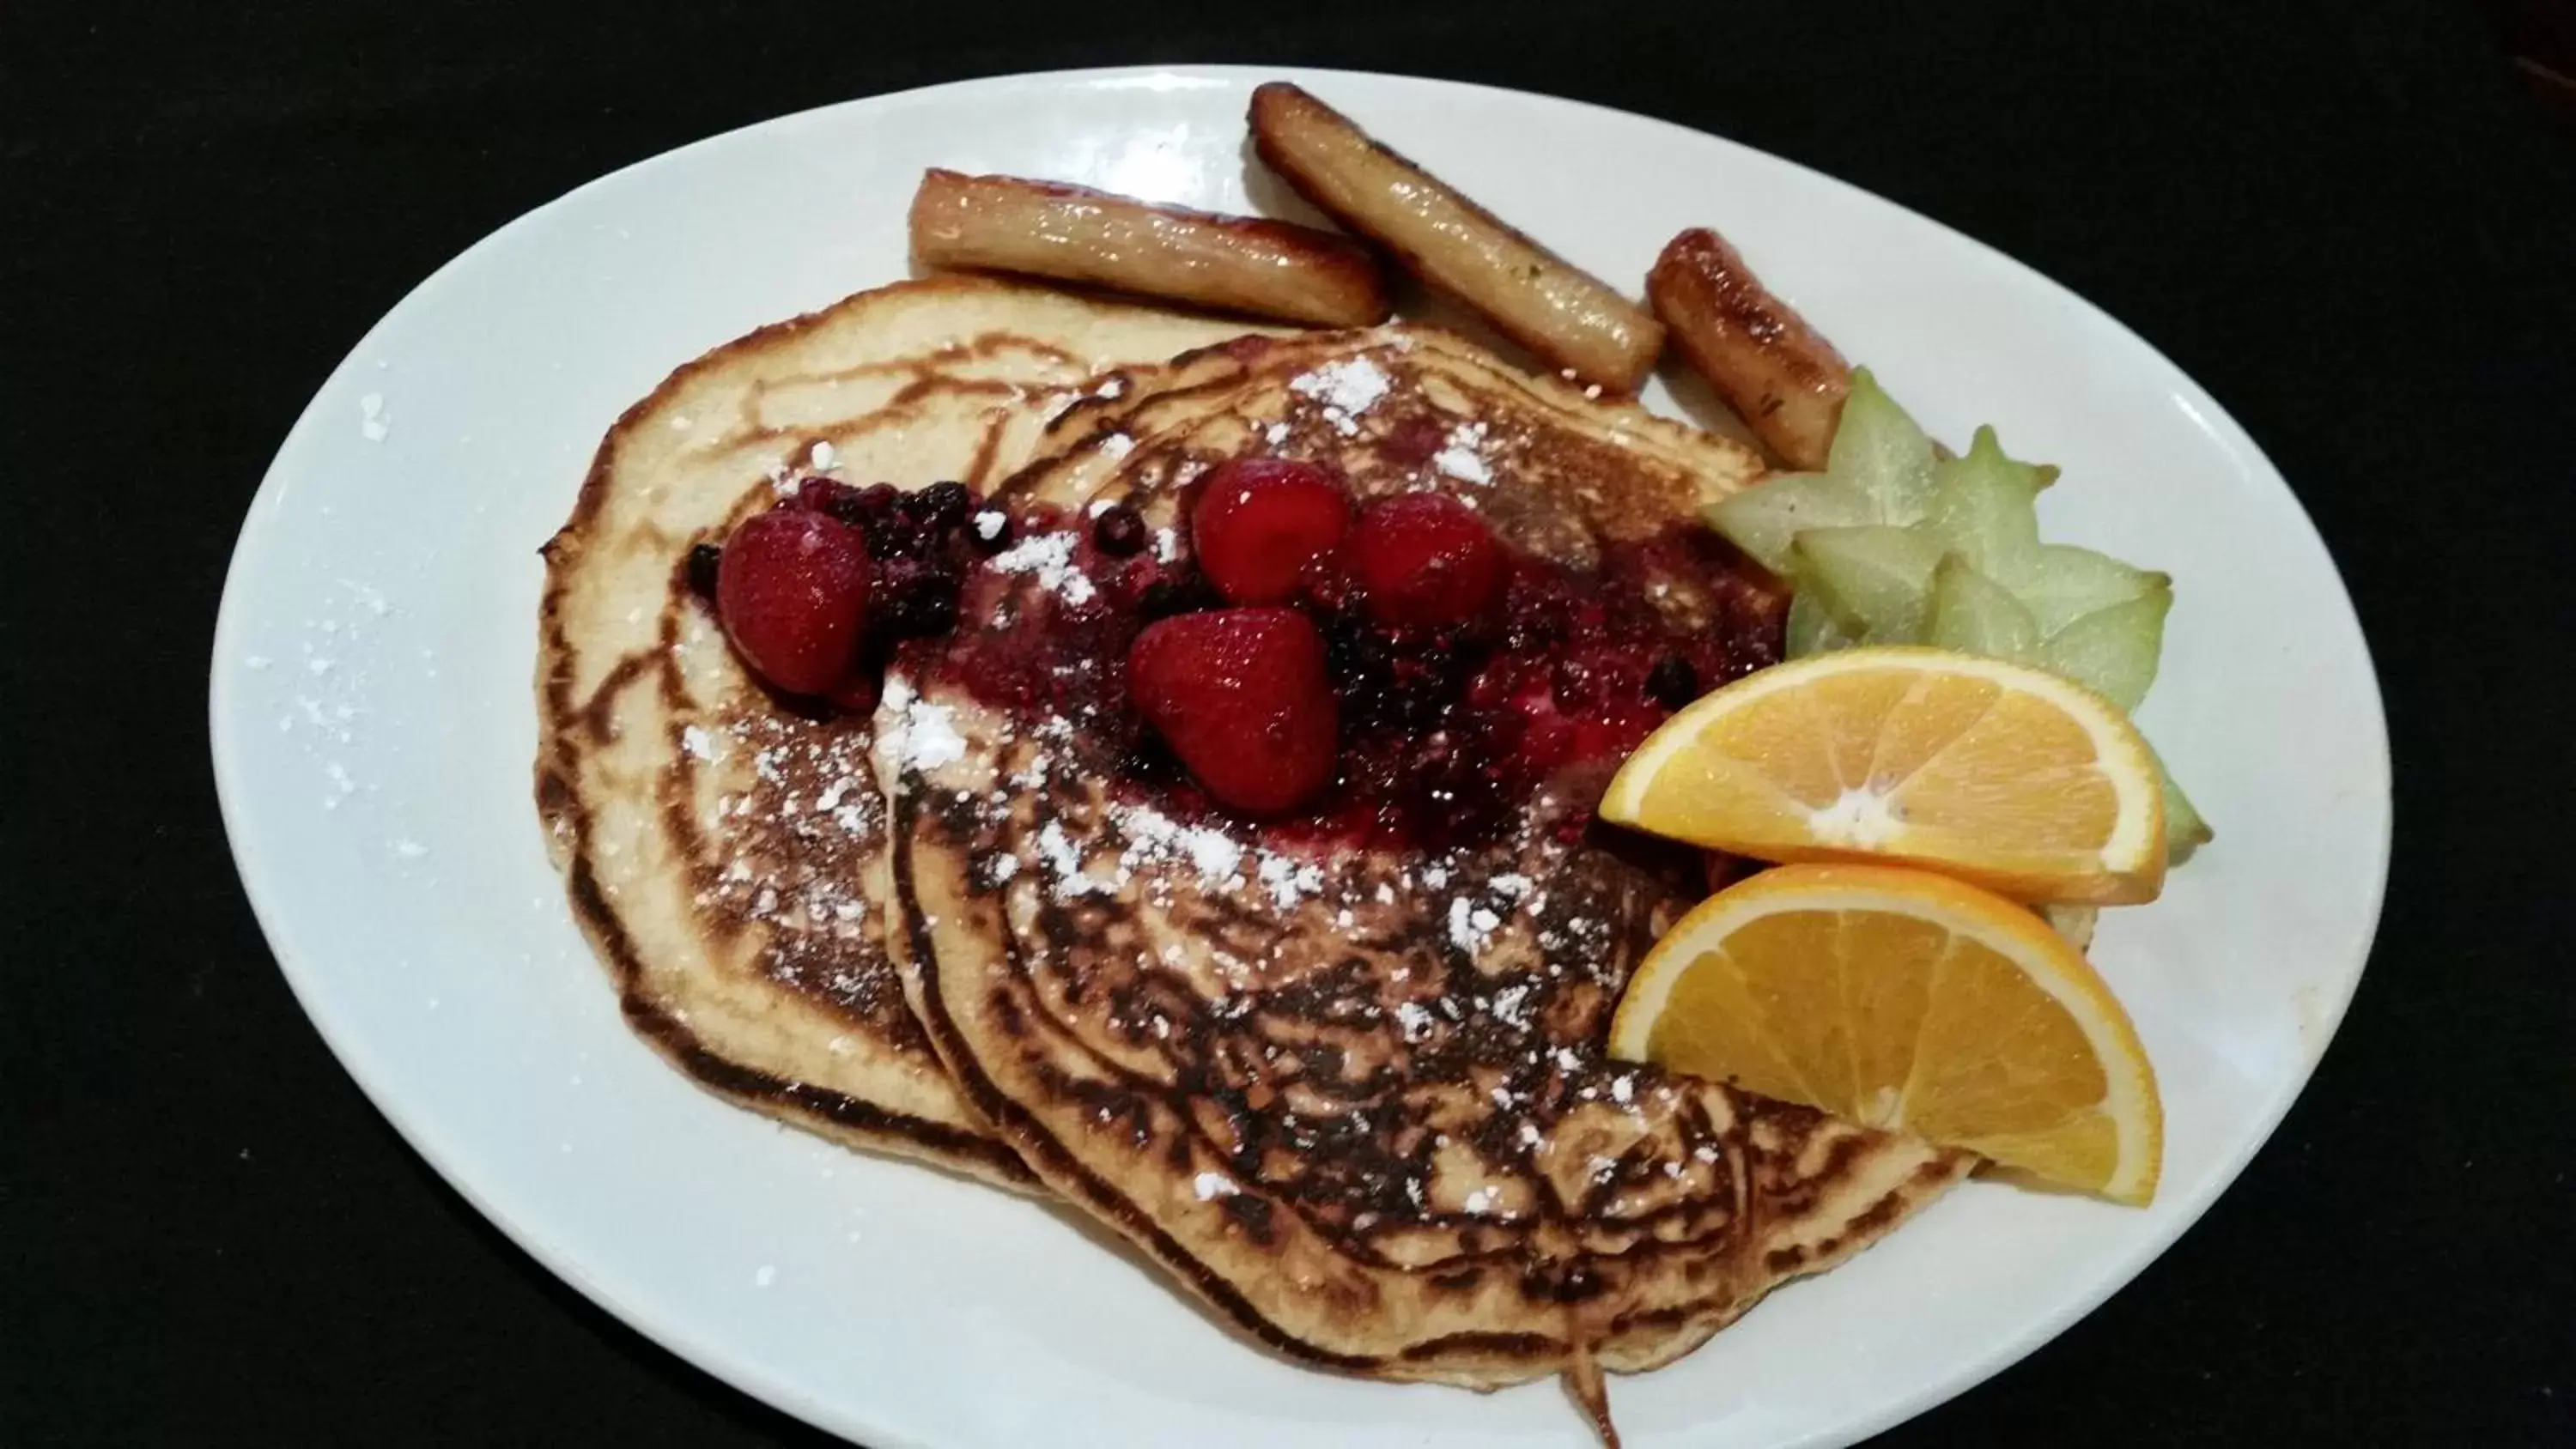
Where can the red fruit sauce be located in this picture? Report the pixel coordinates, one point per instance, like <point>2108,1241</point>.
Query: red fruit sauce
<point>1445,730</point>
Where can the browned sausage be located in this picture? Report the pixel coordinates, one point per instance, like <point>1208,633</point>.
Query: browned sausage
<point>1567,316</point>
<point>1227,263</point>
<point>1780,374</point>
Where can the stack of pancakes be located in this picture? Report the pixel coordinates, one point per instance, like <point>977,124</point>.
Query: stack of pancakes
<point>1355,1099</point>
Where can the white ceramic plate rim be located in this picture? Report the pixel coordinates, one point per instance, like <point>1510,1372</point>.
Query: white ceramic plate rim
<point>452,1152</point>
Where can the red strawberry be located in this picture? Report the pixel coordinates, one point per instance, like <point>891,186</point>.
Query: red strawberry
<point>1240,695</point>
<point>1261,521</point>
<point>792,589</point>
<point>1426,559</point>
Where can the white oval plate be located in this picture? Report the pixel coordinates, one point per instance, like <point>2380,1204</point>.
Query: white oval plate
<point>374,727</point>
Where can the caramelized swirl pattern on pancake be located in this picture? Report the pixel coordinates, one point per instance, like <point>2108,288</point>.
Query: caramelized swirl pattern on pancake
<point>724,852</point>
<point>1354,1097</point>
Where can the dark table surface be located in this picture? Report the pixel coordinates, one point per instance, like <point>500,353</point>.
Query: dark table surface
<point>2344,217</point>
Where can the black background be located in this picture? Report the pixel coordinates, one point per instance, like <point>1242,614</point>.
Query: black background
<point>2344,218</point>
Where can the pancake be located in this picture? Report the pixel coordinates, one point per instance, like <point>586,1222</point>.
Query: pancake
<point>717,844</point>
<point>1342,1076</point>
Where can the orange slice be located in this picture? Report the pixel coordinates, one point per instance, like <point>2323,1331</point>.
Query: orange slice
<point>2004,775</point>
<point>1908,1001</point>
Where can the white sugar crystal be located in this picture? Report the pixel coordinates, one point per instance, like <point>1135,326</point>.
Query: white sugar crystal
<point>1049,557</point>
<point>1462,457</point>
<point>1156,836</point>
<point>1288,881</point>
<point>930,737</point>
<point>1352,386</point>
<point>1415,1021</point>
<point>1462,927</point>
<point>1066,860</point>
<point>1212,851</point>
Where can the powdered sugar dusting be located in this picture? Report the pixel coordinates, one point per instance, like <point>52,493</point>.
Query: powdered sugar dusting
<point>331,699</point>
<point>1289,881</point>
<point>930,737</point>
<point>1049,558</point>
<point>1346,388</point>
<point>1414,1019</point>
<point>1153,842</point>
<point>918,734</point>
<point>1211,852</point>
<point>1461,457</point>
<point>1065,859</point>
<point>786,804</point>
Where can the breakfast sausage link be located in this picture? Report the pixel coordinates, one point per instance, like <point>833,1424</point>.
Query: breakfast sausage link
<point>1073,233</point>
<point>1566,315</point>
<point>1778,373</point>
